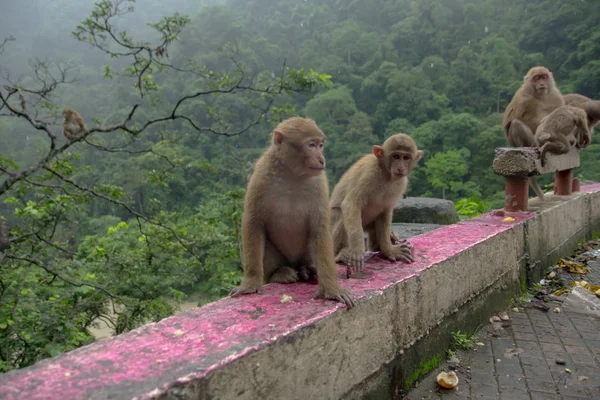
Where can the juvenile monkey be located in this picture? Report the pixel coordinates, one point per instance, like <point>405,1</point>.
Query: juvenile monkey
<point>537,97</point>
<point>285,225</point>
<point>365,198</point>
<point>591,108</point>
<point>564,128</point>
<point>73,124</point>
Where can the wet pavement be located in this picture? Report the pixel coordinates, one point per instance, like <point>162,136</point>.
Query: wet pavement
<point>537,354</point>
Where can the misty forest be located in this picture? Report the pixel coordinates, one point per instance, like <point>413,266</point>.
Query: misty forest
<point>120,227</point>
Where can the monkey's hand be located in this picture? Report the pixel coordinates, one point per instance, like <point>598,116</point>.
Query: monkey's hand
<point>341,295</point>
<point>245,288</point>
<point>585,141</point>
<point>353,258</point>
<point>402,251</point>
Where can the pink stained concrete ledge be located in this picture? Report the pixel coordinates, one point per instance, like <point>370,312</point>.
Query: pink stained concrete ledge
<point>150,359</point>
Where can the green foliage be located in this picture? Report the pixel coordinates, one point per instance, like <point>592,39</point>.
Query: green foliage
<point>462,340</point>
<point>446,170</point>
<point>472,207</point>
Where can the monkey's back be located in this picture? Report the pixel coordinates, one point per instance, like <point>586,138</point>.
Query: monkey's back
<point>354,176</point>
<point>575,99</point>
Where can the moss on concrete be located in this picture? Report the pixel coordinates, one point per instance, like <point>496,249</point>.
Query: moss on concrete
<point>423,369</point>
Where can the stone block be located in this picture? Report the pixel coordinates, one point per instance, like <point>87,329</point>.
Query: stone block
<point>425,210</point>
<point>525,161</point>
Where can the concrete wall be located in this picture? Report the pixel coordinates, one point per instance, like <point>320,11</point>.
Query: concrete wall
<point>257,347</point>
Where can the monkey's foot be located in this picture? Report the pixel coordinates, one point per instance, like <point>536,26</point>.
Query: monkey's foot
<point>307,272</point>
<point>401,252</point>
<point>341,295</point>
<point>284,275</point>
<point>244,289</point>
<point>353,259</point>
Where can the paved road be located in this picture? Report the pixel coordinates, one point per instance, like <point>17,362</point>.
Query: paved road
<point>519,360</point>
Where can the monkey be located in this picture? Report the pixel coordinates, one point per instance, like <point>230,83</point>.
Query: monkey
<point>563,128</point>
<point>4,241</point>
<point>73,124</point>
<point>591,108</point>
<point>286,218</point>
<point>537,97</point>
<point>365,197</point>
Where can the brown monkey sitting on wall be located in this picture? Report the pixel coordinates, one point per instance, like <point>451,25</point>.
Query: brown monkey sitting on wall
<point>591,107</point>
<point>285,225</point>
<point>365,198</point>
<point>564,128</point>
<point>537,97</point>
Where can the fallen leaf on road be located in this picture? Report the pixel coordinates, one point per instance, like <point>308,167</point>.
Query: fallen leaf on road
<point>561,292</point>
<point>582,378</point>
<point>572,266</point>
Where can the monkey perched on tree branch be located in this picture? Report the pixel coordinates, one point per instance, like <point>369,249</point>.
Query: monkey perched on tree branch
<point>537,97</point>
<point>365,198</point>
<point>73,124</point>
<point>564,128</point>
<point>285,225</point>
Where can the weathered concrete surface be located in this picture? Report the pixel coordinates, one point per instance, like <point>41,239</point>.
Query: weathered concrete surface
<point>425,210</point>
<point>257,347</point>
<point>518,161</point>
<point>405,230</point>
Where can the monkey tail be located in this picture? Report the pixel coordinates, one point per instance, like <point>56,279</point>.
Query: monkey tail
<point>536,188</point>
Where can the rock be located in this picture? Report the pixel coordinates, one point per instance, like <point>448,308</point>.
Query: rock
<point>582,301</point>
<point>425,210</point>
<point>560,361</point>
<point>405,231</point>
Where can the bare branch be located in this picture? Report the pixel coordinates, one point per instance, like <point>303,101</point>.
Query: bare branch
<point>59,276</point>
<point>133,152</point>
<point>4,41</point>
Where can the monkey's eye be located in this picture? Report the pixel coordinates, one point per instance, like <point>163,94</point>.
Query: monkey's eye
<point>396,157</point>
<point>312,145</point>
<point>321,145</point>
<point>406,158</point>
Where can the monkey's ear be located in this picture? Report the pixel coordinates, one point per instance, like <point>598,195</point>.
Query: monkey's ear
<point>277,137</point>
<point>378,151</point>
<point>418,155</point>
